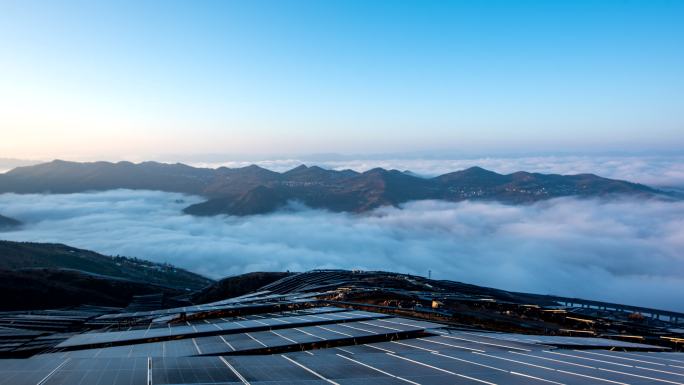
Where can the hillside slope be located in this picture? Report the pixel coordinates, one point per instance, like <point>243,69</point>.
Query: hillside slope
<point>56,288</point>
<point>23,255</point>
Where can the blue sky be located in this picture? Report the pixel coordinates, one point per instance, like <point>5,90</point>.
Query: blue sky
<point>142,79</point>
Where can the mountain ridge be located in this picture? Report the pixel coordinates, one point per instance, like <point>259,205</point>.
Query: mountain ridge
<point>256,190</point>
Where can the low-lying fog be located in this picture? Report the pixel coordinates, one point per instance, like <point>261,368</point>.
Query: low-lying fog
<point>623,251</point>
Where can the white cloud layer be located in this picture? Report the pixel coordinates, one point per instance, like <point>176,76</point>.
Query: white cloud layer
<point>659,171</point>
<point>622,251</point>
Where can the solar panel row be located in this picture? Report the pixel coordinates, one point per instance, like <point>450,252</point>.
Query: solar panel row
<point>300,312</point>
<point>163,322</point>
<point>355,365</point>
<point>233,303</point>
<point>260,340</point>
<point>563,340</point>
<point>225,327</point>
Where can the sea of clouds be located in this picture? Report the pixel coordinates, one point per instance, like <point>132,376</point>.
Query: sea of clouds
<point>624,251</point>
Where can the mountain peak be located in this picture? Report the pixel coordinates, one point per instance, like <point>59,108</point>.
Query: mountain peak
<point>253,167</point>
<point>376,170</point>
<point>477,170</point>
<point>300,168</point>
<point>472,175</point>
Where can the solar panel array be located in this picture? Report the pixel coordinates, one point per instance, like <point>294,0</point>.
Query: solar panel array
<point>450,358</point>
<point>330,345</point>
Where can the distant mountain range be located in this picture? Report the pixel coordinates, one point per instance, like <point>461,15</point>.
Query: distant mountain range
<point>255,190</point>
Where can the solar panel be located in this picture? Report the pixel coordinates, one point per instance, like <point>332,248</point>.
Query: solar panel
<point>115,371</point>
<point>269,368</point>
<point>191,370</point>
<point>27,372</point>
<point>340,368</point>
<point>297,335</point>
<point>213,345</point>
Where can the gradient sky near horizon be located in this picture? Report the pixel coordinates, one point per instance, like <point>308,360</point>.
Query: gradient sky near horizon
<point>141,79</point>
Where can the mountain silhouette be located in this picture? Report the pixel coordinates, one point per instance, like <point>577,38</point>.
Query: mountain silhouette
<point>256,190</point>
